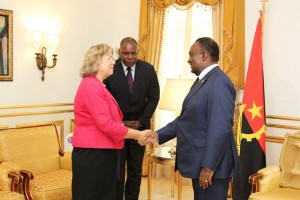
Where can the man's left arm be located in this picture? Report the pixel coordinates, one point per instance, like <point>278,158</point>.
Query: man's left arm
<point>152,99</point>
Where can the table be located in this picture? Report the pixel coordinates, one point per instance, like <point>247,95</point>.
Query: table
<point>162,156</point>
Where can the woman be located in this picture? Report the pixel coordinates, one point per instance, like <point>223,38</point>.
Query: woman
<point>99,132</point>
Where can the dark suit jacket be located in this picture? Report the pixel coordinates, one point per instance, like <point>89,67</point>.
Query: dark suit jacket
<point>141,104</point>
<point>204,128</point>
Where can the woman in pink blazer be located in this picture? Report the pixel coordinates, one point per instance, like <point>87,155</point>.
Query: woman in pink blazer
<point>99,132</point>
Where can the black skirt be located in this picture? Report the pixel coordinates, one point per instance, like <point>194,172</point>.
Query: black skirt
<point>95,174</point>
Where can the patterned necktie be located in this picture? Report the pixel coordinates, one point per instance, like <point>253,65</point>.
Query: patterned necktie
<point>129,79</point>
<point>196,81</point>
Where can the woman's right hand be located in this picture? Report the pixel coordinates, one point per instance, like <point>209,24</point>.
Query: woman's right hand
<point>147,137</point>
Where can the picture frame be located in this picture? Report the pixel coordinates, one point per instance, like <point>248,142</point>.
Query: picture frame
<point>6,45</point>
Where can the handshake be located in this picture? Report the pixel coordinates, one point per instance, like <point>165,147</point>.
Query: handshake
<point>147,137</point>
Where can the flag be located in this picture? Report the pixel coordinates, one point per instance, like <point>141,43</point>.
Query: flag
<point>251,126</point>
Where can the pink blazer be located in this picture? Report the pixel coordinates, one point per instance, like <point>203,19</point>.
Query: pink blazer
<point>98,118</point>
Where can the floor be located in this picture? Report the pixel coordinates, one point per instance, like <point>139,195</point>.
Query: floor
<point>161,190</point>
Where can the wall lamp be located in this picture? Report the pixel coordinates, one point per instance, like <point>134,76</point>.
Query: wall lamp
<point>42,43</point>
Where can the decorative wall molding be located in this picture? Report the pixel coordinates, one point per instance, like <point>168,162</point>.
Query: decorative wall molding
<point>61,114</point>
<point>278,126</point>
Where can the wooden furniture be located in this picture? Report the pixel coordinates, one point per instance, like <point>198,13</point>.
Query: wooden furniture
<point>36,153</point>
<point>162,155</point>
<point>283,181</point>
<point>9,184</point>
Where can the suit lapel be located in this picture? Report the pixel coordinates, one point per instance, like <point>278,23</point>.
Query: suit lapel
<point>119,71</point>
<point>137,79</point>
<point>197,88</point>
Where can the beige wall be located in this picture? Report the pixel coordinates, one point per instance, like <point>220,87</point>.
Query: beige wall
<point>281,53</point>
<point>81,24</point>
<point>281,63</point>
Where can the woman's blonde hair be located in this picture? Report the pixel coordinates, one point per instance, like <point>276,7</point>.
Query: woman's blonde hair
<point>92,59</point>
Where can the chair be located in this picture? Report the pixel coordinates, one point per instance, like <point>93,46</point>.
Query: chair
<point>35,152</point>
<point>283,182</point>
<point>9,184</point>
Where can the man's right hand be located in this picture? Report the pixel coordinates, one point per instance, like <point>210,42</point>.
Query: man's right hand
<point>147,137</point>
<point>132,124</point>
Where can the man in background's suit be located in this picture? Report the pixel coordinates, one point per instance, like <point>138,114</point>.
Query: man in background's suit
<point>206,150</point>
<point>138,105</point>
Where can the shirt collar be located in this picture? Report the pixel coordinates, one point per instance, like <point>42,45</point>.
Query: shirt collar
<point>206,70</point>
<point>125,68</point>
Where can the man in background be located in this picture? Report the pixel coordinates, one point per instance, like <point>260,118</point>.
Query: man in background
<point>135,86</point>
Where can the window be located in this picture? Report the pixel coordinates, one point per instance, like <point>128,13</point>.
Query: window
<point>181,29</point>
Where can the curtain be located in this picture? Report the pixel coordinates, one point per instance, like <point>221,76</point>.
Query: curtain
<point>233,41</point>
<point>217,18</point>
<point>149,44</point>
<point>229,32</point>
<point>150,32</point>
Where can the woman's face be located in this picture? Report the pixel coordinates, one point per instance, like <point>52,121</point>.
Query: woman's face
<point>106,66</point>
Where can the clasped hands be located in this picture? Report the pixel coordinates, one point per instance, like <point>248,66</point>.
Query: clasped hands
<point>147,137</point>
<point>132,124</point>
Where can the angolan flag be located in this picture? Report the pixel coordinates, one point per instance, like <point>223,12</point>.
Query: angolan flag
<point>251,127</point>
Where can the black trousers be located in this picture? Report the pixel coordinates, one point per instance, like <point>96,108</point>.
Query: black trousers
<point>95,173</point>
<point>133,155</point>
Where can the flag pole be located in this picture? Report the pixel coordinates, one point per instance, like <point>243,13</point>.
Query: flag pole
<point>263,12</point>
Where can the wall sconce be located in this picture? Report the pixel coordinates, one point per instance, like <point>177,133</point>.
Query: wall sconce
<point>41,43</point>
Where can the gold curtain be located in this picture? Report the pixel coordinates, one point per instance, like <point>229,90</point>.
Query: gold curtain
<point>150,32</point>
<point>217,18</point>
<point>162,4</point>
<point>233,40</point>
<point>149,42</point>
<point>229,23</point>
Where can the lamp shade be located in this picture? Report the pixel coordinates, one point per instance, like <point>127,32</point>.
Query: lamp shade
<point>36,41</point>
<point>174,93</point>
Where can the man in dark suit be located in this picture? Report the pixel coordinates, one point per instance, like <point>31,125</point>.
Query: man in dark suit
<point>134,85</point>
<point>206,150</point>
